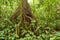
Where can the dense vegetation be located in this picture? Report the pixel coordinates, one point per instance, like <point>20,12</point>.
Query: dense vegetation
<point>47,13</point>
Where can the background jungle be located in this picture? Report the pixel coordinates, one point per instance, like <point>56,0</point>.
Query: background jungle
<point>47,14</point>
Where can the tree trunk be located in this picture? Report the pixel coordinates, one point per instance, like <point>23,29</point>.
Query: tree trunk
<point>25,11</point>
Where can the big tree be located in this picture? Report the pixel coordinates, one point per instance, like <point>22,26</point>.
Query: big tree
<point>26,15</point>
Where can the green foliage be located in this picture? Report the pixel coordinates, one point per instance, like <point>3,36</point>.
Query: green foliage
<point>48,16</point>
